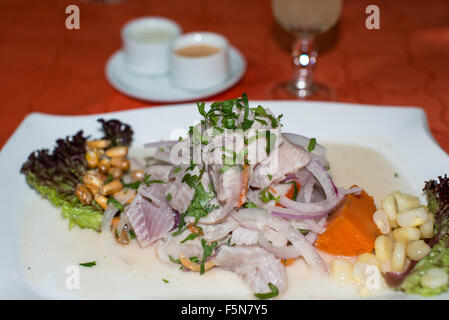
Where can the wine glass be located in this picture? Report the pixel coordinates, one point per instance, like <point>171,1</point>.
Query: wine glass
<point>305,19</point>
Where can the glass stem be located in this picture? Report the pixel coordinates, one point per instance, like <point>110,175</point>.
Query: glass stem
<point>304,58</point>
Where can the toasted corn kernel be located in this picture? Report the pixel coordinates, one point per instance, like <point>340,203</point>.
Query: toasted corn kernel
<point>93,178</point>
<point>104,165</point>
<point>111,188</point>
<point>138,174</point>
<point>101,200</point>
<point>116,173</point>
<point>92,159</point>
<point>84,194</point>
<point>99,144</point>
<point>121,163</point>
<point>116,152</point>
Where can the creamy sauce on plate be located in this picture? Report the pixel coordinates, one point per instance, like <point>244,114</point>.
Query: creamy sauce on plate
<point>50,252</point>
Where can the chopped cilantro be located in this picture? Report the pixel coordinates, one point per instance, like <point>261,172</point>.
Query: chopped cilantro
<point>190,237</point>
<point>132,235</point>
<point>114,202</point>
<point>176,169</point>
<point>109,179</point>
<point>249,204</point>
<point>177,261</point>
<point>169,197</point>
<point>274,292</point>
<point>312,144</point>
<point>89,264</point>
<point>134,185</point>
<point>208,249</point>
<point>194,259</point>
<point>165,280</point>
<point>147,180</point>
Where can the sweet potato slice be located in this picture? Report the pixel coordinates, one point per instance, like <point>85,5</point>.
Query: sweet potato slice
<point>351,230</point>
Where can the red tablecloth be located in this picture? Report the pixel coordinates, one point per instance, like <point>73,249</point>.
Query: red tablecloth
<point>47,68</point>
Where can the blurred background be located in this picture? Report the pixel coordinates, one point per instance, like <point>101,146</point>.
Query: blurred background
<point>47,68</point>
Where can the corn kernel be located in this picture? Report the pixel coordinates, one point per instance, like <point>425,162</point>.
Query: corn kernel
<point>427,227</point>
<point>406,201</point>
<point>406,234</point>
<point>368,258</point>
<point>342,271</point>
<point>384,248</point>
<point>413,217</point>
<point>398,258</point>
<point>390,207</point>
<point>416,250</point>
<point>381,220</point>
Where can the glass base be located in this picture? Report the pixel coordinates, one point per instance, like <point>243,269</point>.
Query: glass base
<point>288,91</point>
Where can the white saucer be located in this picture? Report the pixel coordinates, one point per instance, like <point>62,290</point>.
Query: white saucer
<point>160,88</point>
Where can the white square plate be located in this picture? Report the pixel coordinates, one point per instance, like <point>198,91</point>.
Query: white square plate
<point>401,134</point>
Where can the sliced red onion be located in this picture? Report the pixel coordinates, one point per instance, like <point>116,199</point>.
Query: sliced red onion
<point>108,215</point>
<point>308,190</point>
<point>323,178</point>
<point>160,144</point>
<point>304,142</point>
<point>309,252</point>
<point>289,252</point>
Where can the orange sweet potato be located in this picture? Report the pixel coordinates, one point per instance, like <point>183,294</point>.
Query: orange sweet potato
<point>351,230</point>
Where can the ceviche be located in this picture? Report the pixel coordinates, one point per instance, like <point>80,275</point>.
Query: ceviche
<point>238,193</point>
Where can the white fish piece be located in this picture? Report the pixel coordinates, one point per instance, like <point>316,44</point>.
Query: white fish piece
<point>150,222</point>
<point>172,247</point>
<point>159,172</point>
<point>244,236</point>
<point>255,265</point>
<point>181,193</point>
<point>286,159</point>
<point>216,232</point>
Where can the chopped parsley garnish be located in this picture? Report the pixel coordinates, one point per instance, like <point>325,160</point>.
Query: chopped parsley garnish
<point>109,179</point>
<point>89,264</point>
<point>274,292</point>
<point>132,235</point>
<point>177,261</point>
<point>176,169</point>
<point>165,280</point>
<point>267,196</point>
<point>271,139</point>
<point>270,177</point>
<point>134,185</point>
<point>312,144</point>
<point>304,232</point>
<point>147,180</point>
<point>200,205</point>
<point>169,197</point>
<point>190,237</point>
<point>208,249</point>
<point>194,259</point>
<point>295,190</point>
<point>114,202</point>
<point>249,204</point>
<point>190,180</point>
<point>396,175</point>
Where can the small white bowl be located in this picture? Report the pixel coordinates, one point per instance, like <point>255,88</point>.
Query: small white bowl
<point>199,72</point>
<point>146,44</point>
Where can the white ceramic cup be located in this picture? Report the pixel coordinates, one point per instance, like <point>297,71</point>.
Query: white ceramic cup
<point>146,44</point>
<point>199,72</point>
